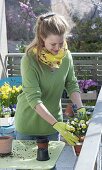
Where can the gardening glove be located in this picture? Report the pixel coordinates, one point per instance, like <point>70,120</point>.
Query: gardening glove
<point>82,113</point>
<point>63,129</point>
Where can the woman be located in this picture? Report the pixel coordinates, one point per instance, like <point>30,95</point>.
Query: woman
<point>46,69</point>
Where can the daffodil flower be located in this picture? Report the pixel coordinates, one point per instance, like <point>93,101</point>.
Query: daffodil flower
<point>8,94</point>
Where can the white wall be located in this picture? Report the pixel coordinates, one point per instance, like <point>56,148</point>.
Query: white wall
<point>3,35</point>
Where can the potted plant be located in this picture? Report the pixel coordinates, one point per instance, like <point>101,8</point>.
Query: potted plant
<point>88,89</point>
<point>78,127</point>
<point>8,101</point>
<point>5,145</point>
<point>87,85</point>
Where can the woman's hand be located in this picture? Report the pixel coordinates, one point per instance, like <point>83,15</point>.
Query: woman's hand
<point>62,128</point>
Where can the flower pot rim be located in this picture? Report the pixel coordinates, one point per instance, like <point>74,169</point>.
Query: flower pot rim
<point>43,140</point>
<point>5,137</point>
<point>79,143</point>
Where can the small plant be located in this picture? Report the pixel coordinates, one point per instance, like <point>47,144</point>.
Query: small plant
<point>8,99</point>
<point>21,47</point>
<point>5,112</point>
<point>78,126</point>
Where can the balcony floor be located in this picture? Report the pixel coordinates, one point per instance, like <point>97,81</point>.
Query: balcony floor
<point>67,159</point>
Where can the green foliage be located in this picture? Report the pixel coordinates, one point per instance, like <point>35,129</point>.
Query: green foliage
<point>40,10</point>
<point>90,103</point>
<point>21,47</point>
<point>86,36</point>
<point>78,126</point>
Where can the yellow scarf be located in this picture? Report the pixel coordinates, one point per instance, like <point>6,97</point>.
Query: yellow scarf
<point>53,61</point>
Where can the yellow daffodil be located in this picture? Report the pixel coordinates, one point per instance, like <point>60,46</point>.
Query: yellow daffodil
<point>8,94</point>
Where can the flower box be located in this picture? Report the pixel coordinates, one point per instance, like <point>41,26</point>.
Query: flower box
<point>90,95</point>
<point>8,101</point>
<point>87,85</point>
<point>7,121</point>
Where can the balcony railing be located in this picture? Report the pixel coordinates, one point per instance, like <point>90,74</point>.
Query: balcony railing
<point>3,37</point>
<point>87,65</point>
<point>91,146</point>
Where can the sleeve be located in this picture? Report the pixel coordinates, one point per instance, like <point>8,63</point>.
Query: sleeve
<point>30,82</point>
<point>71,83</point>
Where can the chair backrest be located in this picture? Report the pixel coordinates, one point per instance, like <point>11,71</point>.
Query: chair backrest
<point>13,81</point>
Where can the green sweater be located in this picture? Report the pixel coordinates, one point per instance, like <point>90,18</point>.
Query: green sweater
<point>42,85</point>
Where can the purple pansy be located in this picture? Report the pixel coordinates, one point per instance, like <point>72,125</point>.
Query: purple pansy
<point>86,85</point>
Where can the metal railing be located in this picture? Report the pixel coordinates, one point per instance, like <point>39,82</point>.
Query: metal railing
<point>85,63</point>
<point>99,158</point>
<point>89,158</point>
<point>3,37</point>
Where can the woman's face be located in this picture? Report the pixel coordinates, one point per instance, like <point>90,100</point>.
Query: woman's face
<point>53,43</point>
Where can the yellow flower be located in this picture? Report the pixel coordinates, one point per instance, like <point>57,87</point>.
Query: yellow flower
<point>14,87</point>
<point>84,126</point>
<point>5,88</point>
<point>8,94</point>
<point>13,91</point>
<point>4,96</point>
<point>78,126</point>
<point>72,129</point>
<point>20,88</point>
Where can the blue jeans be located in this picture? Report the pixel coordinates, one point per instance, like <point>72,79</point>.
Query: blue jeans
<point>21,136</point>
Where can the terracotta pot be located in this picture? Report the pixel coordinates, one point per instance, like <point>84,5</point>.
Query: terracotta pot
<point>42,151</point>
<point>77,148</point>
<point>42,143</point>
<point>5,144</point>
<point>81,138</point>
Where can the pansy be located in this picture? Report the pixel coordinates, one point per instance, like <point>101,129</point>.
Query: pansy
<point>87,85</point>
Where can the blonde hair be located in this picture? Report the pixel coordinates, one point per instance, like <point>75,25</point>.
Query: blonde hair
<point>47,24</point>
